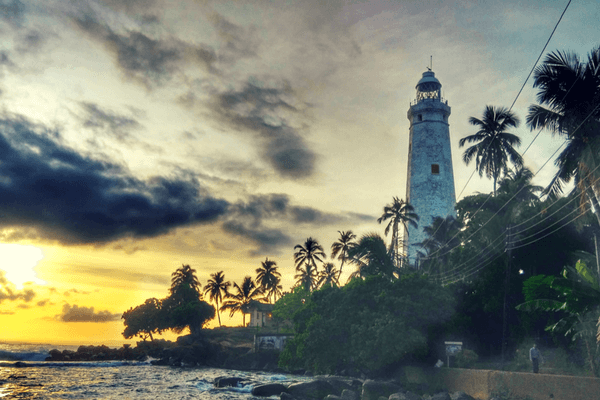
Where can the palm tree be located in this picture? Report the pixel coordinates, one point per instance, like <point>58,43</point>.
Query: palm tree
<point>569,97</point>
<point>341,247</point>
<point>307,276</point>
<point>328,276</point>
<point>268,278</point>
<point>494,146</point>
<point>182,280</point>
<point>245,293</point>
<point>442,237</point>
<point>216,288</point>
<point>399,213</point>
<point>311,252</point>
<point>372,257</point>
<point>518,184</point>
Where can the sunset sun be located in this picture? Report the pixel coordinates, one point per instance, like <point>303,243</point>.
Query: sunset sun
<point>19,262</point>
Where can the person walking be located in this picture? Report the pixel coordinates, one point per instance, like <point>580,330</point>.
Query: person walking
<point>535,356</point>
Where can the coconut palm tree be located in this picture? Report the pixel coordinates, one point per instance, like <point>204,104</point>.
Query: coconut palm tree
<point>372,257</point>
<point>442,236</point>
<point>182,280</point>
<point>494,146</point>
<point>310,252</point>
<point>517,183</point>
<point>268,278</point>
<point>398,213</point>
<point>238,301</point>
<point>328,276</point>
<point>341,247</point>
<point>307,276</point>
<point>216,288</point>
<point>569,97</point>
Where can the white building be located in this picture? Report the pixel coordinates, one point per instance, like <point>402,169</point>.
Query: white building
<point>430,183</point>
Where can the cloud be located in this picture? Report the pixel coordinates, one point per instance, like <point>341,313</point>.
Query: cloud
<point>12,11</point>
<point>118,274</point>
<point>268,240</point>
<point>148,60</point>
<point>238,42</point>
<point>50,191</point>
<point>263,219</point>
<point>74,291</point>
<point>84,314</point>
<point>107,121</point>
<point>8,291</point>
<point>265,113</point>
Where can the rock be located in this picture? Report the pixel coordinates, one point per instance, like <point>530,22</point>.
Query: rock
<point>372,390</point>
<point>441,396</point>
<point>332,397</point>
<point>225,382</point>
<point>462,396</point>
<point>405,396</point>
<point>339,383</point>
<point>268,389</point>
<point>349,395</point>
<point>286,396</point>
<point>315,390</point>
<point>20,364</point>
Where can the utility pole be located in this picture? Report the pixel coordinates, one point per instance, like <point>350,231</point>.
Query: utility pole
<point>506,288</point>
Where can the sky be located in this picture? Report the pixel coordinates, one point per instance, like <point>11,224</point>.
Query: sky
<point>142,135</point>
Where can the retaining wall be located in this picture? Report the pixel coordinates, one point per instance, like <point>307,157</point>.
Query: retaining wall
<point>481,384</point>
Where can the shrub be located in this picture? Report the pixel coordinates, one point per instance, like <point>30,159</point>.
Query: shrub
<point>466,358</point>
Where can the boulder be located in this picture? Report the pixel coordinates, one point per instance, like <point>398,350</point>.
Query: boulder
<point>372,390</point>
<point>340,383</point>
<point>349,395</point>
<point>225,382</point>
<point>268,389</point>
<point>314,390</point>
<point>405,396</point>
<point>441,396</point>
<point>286,396</point>
<point>332,397</point>
<point>462,396</point>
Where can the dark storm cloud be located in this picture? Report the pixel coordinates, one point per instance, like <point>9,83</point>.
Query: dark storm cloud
<point>262,111</point>
<point>61,195</point>
<point>268,240</point>
<point>12,11</point>
<point>147,60</point>
<point>85,314</point>
<point>251,219</point>
<point>9,293</point>
<point>108,121</point>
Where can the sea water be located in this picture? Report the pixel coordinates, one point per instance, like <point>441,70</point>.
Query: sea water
<point>40,379</point>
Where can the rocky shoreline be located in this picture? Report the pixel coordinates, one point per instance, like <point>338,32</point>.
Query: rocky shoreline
<point>340,388</point>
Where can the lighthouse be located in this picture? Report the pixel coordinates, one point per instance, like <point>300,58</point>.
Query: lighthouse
<point>430,182</point>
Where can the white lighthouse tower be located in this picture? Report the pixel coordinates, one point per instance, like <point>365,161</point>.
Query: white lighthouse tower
<point>430,183</point>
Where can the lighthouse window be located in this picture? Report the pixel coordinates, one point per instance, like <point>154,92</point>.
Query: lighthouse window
<point>420,117</point>
<point>435,169</point>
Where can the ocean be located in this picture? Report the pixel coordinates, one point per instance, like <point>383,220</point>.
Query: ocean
<point>40,379</point>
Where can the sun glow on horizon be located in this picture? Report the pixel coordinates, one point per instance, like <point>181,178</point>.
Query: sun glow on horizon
<point>19,262</point>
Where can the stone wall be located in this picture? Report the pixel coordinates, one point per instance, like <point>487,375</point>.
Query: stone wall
<point>481,384</point>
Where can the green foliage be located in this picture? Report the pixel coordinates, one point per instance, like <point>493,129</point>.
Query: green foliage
<point>576,297</point>
<point>366,325</point>
<point>144,320</point>
<point>466,358</point>
<point>286,307</point>
<point>183,308</point>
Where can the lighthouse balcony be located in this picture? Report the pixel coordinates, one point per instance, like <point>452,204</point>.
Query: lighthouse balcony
<point>440,100</point>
